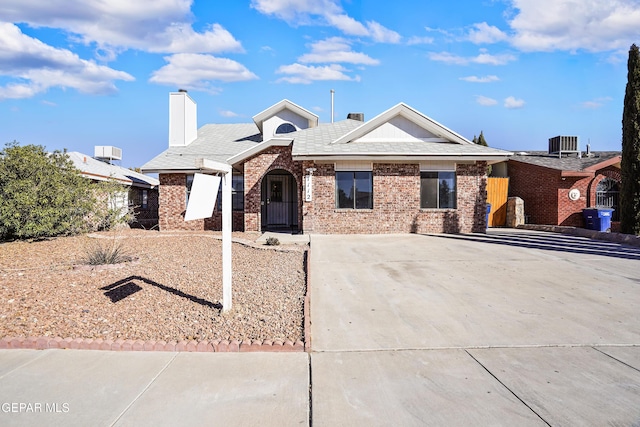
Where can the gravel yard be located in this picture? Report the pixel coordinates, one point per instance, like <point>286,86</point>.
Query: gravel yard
<point>172,292</point>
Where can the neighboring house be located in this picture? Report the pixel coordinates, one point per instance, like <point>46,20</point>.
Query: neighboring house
<point>140,191</point>
<point>399,172</point>
<point>556,185</point>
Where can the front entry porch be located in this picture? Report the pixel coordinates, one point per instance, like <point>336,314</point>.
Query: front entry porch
<point>279,202</point>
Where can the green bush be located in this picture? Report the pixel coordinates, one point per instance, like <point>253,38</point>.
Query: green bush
<point>41,194</point>
<point>44,195</point>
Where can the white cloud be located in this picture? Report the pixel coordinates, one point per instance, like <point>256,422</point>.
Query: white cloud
<point>485,33</point>
<point>227,113</point>
<point>513,103</point>
<point>381,34</point>
<point>572,25</point>
<point>197,71</point>
<point>476,79</point>
<point>156,26</point>
<point>481,58</point>
<point>420,40</point>
<point>485,101</point>
<point>347,25</point>
<point>596,103</point>
<point>38,67</point>
<point>305,74</point>
<point>335,50</point>
<point>324,12</point>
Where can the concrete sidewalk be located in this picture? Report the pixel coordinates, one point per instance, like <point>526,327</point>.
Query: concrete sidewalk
<point>104,388</point>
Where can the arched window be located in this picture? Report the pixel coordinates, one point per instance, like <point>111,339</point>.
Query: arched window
<point>285,128</point>
<point>607,196</point>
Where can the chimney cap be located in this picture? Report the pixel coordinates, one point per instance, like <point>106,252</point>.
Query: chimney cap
<point>356,116</point>
<point>183,90</point>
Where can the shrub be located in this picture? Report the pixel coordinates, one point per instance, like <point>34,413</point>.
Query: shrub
<point>41,194</point>
<point>272,241</point>
<point>100,254</point>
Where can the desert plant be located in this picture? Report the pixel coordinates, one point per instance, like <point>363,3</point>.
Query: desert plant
<point>111,253</point>
<point>272,241</point>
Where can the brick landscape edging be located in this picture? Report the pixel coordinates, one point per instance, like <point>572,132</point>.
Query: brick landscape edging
<point>215,346</point>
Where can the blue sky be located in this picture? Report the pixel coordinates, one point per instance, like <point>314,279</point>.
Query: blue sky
<point>79,73</point>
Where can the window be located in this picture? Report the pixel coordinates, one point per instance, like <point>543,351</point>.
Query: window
<point>354,190</point>
<point>438,190</point>
<point>285,128</point>
<point>237,193</point>
<point>189,185</point>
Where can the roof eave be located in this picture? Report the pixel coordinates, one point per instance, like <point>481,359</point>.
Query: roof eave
<point>403,157</point>
<point>273,142</point>
<point>614,161</point>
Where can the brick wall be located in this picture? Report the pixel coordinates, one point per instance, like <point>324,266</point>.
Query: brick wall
<point>396,203</point>
<point>396,200</point>
<point>546,193</point>
<point>172,207</point>
<point>255,169</point>
<point>538,187</point>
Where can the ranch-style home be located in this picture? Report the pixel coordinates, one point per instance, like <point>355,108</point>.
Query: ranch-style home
<point>400,172</point>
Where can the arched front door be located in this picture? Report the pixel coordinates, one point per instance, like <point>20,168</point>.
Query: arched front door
<point>279,201</point>
<point>607,196</point>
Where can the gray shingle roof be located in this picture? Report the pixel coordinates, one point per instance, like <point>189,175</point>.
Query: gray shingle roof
<point>220,142</point>
<point>215,142</point>
<point>97,169</point>
<point>572,163</point>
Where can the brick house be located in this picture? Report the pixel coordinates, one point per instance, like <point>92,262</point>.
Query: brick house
<point>399,172</point>
<point>556,186</point>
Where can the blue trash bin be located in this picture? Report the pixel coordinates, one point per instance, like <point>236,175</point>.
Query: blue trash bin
<point>488,212</point>
<point>598,219</point>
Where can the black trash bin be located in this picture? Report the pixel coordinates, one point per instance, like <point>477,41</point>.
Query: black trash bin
<point>598,219</point>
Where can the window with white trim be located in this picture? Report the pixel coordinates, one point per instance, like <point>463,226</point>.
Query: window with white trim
<point>354,190</point>
<point>438,190</point>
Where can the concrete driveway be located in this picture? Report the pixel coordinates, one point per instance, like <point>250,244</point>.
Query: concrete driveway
<point>511,328</point>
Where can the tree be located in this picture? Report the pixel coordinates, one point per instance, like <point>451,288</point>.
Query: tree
<point>481,140</point>
<point>630,165</point>
<point>42,194</point>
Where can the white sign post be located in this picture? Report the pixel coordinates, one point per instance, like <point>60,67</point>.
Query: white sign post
<point>201,203</point>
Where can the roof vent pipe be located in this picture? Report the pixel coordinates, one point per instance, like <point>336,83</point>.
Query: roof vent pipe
<point>332,92</point>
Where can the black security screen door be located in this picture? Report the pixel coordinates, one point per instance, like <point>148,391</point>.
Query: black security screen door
<point>279,201</point>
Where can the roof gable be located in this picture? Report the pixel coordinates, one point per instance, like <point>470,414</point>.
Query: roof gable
<point>278,108</point>
<point>402,123</point>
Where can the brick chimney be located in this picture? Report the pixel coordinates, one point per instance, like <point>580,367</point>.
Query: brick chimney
<point>183,123</point>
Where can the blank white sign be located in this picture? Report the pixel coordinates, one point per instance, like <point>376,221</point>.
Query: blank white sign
<point>202,199</point>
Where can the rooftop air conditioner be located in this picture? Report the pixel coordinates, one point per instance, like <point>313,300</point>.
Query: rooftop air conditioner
<point>107,152</point>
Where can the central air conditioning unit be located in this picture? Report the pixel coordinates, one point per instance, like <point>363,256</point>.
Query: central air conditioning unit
<point>564,145</point>
<point>107,152</point>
